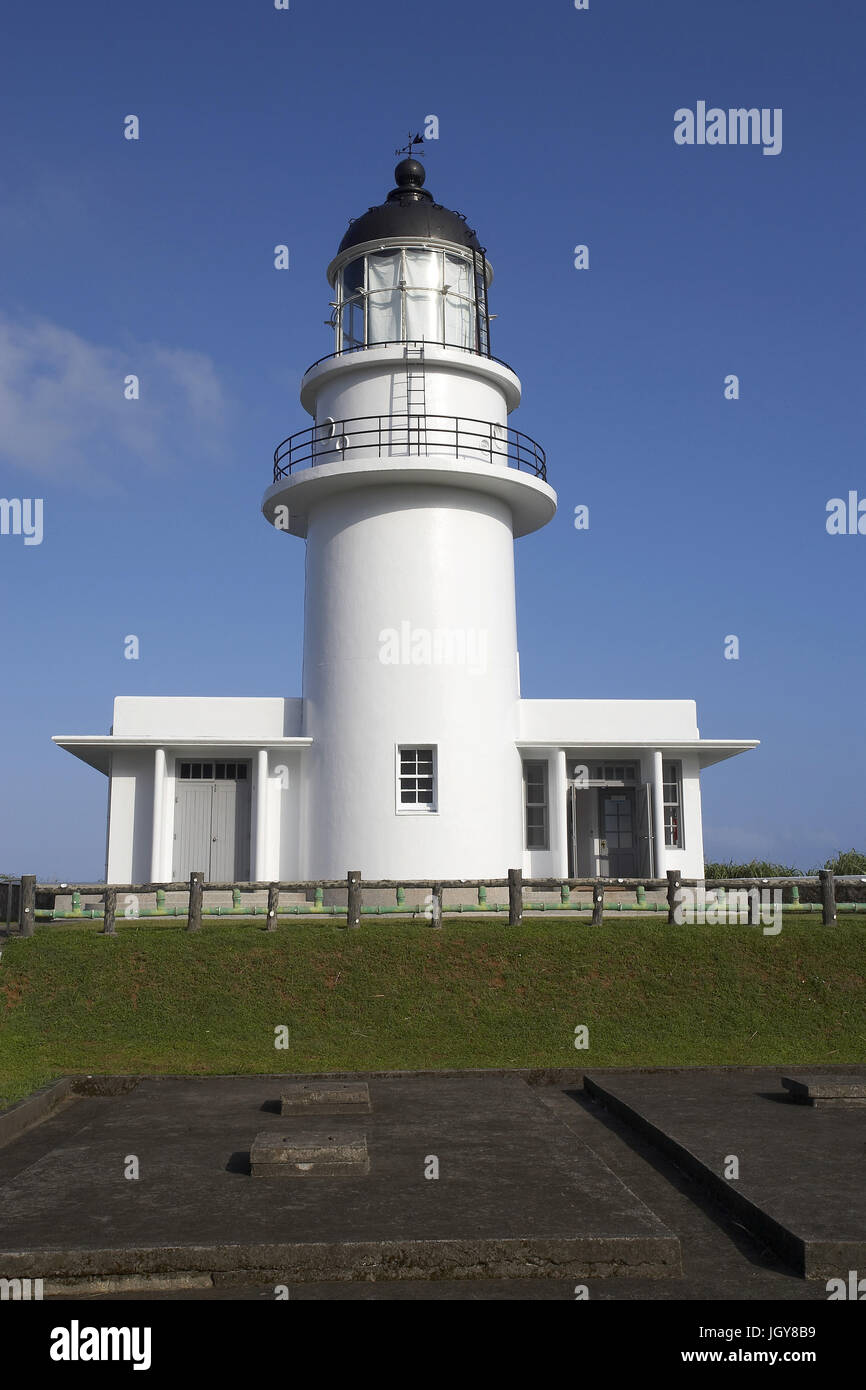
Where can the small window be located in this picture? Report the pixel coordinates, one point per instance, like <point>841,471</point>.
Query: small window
<point>212,772</point>
<point>416,779</point>
<point>672,799</point>
<point>536,803</point>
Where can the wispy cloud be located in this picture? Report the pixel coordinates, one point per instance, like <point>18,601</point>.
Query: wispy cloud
<point>63,414</point>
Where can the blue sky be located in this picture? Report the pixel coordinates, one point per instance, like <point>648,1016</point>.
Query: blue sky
<point>258,127</point>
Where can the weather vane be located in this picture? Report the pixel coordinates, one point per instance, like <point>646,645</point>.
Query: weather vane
<point>408,149</point>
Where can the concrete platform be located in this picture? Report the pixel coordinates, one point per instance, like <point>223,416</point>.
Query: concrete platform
<point>518,1194</point>
<point>819,1090</point>
<point>307,1153</point>
<point>801,1186</point>
<point>325,1098</point>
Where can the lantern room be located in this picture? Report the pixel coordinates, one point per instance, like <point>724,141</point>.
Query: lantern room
<point>410,271</point>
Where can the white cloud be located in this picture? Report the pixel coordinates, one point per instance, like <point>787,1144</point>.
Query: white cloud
<point>63,414</point>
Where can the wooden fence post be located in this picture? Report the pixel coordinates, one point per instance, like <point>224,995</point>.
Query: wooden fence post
<point>436,905</point>
<point>828,897</point>
<point>273,904</point>
<point>354,899</point>
<point>27,916</point>
<point>515,897</point>
<point>196,896</point>
<point>597,904</point>
<point>109,925</point>
<point>673,876</point>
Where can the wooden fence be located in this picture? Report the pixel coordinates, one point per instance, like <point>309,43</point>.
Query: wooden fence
<point>354,885</point>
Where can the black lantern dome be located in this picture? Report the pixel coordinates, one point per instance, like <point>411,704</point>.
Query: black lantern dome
<point>409,211</point>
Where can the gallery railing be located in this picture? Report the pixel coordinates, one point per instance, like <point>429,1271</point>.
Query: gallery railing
<point>407,435</point>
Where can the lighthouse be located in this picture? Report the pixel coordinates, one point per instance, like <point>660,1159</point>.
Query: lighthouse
<point>410,753</point>
<point>409,490</point>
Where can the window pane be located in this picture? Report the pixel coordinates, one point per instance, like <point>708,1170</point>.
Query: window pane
<point>459,322</point>
<point>383,310</point>
<point>424,315</point>
<point>242,771</point>
<point>458,275</point>
<point>220,772</point>
<point>424,269</point>
<point>353,277</point>
<point>184,769</point>
<point>384,270</point>
<point>353,324</point>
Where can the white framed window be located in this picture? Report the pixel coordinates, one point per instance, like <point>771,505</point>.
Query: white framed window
<point>672,797</point>
<point>536,803</point>
<point>416,779</point>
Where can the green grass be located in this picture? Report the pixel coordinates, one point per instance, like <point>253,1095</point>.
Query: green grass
<point>396,994</point>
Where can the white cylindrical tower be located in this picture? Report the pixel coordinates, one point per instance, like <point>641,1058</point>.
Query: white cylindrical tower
<point>410,489</point>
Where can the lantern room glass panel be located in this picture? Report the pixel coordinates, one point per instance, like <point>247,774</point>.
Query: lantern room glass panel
<point>423,295</point>
<point>414,294</point>
<point>384,307</point>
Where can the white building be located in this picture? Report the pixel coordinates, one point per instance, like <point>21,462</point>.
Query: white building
<point>410,753</point>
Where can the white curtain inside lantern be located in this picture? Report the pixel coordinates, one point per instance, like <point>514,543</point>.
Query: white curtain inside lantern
<point>383,297</point>
<point>423,271</point>
<point>415,294</point>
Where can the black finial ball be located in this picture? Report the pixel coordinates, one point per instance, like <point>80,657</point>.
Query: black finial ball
<point>410,173</point>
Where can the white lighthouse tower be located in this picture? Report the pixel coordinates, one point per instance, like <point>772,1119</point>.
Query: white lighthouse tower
<point>410,753</point>
<point>410,489</point>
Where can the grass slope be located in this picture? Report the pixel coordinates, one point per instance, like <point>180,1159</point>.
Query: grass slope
<point>396,994</point>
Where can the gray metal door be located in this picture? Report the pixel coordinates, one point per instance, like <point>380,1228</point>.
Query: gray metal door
<point>222,847</point>
<point>643,824</point>
<point>192,832</point>
<point>618,830</point>
<point>212,830</point>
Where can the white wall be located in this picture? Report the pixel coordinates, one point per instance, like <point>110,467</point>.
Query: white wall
<point>175,717</point>
<point>440,560</point>
<point>690,859</point>
<point>348,394</point>
<point>571,722</point>
<point>131,817</point>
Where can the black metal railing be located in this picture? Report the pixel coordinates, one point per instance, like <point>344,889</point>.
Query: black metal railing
<point>406,435</point>
<point>409,342</point>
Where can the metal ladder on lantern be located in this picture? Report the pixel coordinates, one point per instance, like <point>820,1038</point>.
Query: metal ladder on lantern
<point>416,398</point>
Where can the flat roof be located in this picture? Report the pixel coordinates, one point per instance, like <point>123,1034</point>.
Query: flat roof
<point>96,749</point>
<point>709,750</point>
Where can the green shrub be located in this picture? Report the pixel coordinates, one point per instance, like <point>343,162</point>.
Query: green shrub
<point>847,861</point>
<point>758,868</point>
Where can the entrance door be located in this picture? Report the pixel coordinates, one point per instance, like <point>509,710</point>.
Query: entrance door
<point>212,822</point>
<point>192,816</point>
<point>618,831</point>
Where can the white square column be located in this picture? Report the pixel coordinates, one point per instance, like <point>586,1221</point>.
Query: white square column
<point>261,858</point>
<point>156,856</point>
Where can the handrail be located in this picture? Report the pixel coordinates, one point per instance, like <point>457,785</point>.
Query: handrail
<point>407,434</point>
